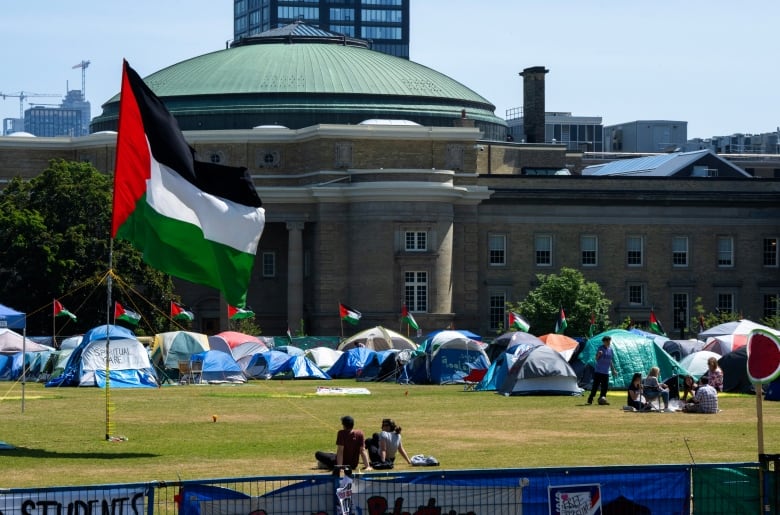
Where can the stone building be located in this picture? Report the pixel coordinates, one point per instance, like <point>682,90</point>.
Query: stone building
<point>437,215</point>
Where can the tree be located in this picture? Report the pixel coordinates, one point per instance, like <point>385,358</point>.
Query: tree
<point>54,232</point>
<point>568,290</point>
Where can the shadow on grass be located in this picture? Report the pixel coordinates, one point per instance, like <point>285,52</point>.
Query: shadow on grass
<point>24,452</point>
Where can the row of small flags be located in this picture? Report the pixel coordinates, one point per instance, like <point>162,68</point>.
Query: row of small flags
<point>352,316</point>
<point>178,312</point>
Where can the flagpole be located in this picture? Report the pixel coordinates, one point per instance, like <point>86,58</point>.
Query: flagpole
<point>53,325</point>
<point>108,322</point>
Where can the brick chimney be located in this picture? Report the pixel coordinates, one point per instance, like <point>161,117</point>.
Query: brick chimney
<point>533,103</point>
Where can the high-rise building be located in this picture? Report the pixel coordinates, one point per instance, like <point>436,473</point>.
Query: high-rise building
<point>384,23</point>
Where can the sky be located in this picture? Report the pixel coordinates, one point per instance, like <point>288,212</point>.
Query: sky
<point>713,64</point>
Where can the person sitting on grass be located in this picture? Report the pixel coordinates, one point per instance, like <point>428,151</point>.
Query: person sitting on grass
<point>705,400</point>
<point>635,398</point>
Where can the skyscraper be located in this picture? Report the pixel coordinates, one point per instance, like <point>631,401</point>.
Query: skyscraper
<point>385,23</point>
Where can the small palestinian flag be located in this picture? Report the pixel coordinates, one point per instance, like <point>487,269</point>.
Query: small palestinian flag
<point>60,311</point>
<point>655,325</point>
<point>235,313</point>
<point>518,322</point>
<point>179,313</point>
<point>120,313</point>
<point>349,315</point>
<point>561,323</point>
<point>407,317</point>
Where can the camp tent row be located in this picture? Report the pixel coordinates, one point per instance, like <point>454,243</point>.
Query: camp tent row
<point>515,363</point>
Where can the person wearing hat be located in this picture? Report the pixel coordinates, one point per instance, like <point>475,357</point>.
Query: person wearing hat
<point>350,448</point>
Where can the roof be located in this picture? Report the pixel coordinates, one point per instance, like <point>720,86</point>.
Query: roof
<point>660,165</point>
<point>298,76</point>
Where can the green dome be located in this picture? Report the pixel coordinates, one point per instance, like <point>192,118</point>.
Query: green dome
<point>304,83</point>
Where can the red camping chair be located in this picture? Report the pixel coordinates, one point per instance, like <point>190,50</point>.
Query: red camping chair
<point>473,378</point>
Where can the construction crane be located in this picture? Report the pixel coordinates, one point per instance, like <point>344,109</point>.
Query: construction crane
<point>83,65</point>
<point>21,95</point>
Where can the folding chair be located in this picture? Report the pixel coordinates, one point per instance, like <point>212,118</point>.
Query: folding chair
<point>473,378</point>
<point>196,371</point>
<point>185,372</point>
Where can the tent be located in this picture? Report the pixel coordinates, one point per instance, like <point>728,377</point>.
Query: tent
<point>247,349</point>
<point>496,373</point>
<point>351,362</point>
<point>292,350</point>
<point>274,364</point>
<point>226,340</point>
<point>632,353</point>
<point>12,319</point>
<point>168,349</point>
<point>129,365</point>
<point>464,332</point>
<point>566,346</point>
<point>733,334</point>
<point>734,366</point>
<point>678,349</point>
<point>696,363</point>
<point>385,365</point>
<point>378,338</point>
<point>323,357</point>
<point>219,367</point>
<point>12,342</point>
<point>71,342</point>
<point>502,343</point>
<point>446,361</point>
<point>538,369</point>
<point>773,391</point>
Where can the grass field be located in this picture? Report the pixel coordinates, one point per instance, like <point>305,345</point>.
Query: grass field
<point>274,427</point>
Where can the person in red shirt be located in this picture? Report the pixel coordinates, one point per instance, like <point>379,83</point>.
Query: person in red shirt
<point>350,448</point>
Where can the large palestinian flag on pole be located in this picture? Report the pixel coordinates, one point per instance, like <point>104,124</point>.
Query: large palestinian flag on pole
<point>194,220</point>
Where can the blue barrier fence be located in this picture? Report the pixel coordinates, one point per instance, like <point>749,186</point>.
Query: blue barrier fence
<point>730,488</point>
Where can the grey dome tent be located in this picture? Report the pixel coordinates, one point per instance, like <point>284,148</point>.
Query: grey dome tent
<point>539,370</point>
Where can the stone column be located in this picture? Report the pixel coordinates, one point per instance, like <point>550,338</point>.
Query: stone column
<point>294,274</point>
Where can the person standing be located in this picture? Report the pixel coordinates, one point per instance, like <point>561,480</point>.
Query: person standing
<point>603,366</point>
<point>350,448</point>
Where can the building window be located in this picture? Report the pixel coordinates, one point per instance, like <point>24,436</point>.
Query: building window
<point>680,310</point>
<point>543,250</point>
<point>634,248</point>
<point>416,241</point>
<point>589,246</point>
<point>680,251</point>
<point>725,251</point>
<point>636,294</point>
<point>496,250</point>
<point>497,311</point>
<point>770,252</point>
<point>771,305</point>
<point>269,264</point>
<point>416,291</point>
<point>725,303</point>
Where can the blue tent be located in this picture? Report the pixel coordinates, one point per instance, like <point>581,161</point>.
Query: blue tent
<point>11,318</point>
<point>218,367</point>
<point>351,363</point>
<point>129,365</point>
<point>275,364</point>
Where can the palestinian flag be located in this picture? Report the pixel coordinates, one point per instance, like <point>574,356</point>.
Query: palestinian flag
<point>120,313</point>
<point>655,326</point>
<point>409,318</point>
<point>518,322</point>
<point>235,313</point>
<point>561,323</point>
<point>349,315</point>
<point>179,313</point>
<point>193,220</point>
<point>60,311</point>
